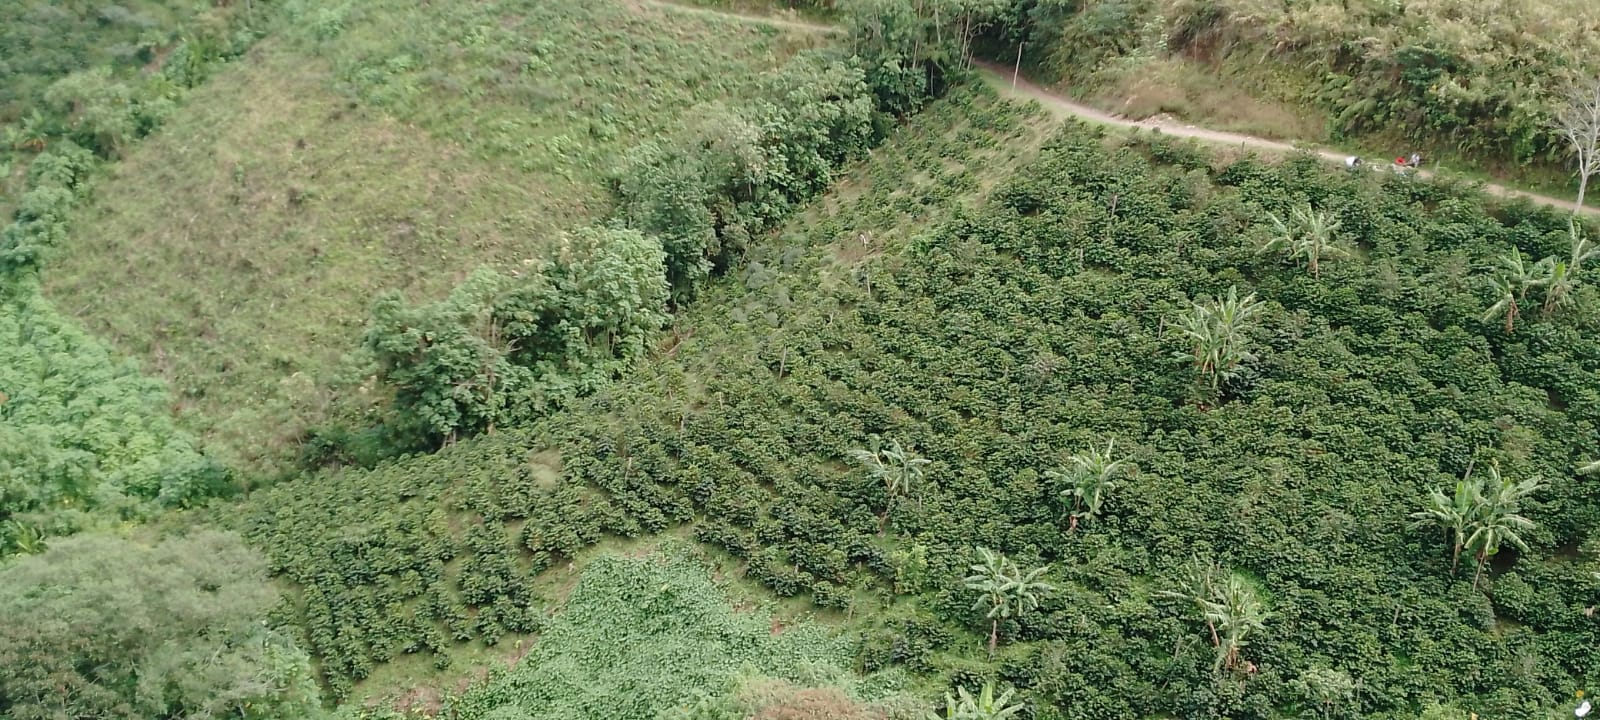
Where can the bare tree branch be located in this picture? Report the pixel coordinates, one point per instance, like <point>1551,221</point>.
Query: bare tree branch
<point>1578,120</point>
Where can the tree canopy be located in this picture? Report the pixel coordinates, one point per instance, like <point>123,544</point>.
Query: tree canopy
<point>103,626</point>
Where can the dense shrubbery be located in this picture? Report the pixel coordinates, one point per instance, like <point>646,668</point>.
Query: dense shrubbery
<point>641,638</point>
<point>82,435</point>
<point>503,349</point>
<point>1476,77</point>
<point>101,626</point>
<point>1041,325</point>
<point>55,180</point>
<point>736,173</point>
<point>382,555</point>
<point>104,76</point>
<point>506,349</point>
<point>85,437</point>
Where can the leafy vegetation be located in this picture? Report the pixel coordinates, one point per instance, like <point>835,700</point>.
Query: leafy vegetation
<point>940,345</point>
<point>363,149</point>
<point>1482,80</point>
<point>102,626</point>
<point>84,439</point>
<point>641,637</point>
<point>410,557</point>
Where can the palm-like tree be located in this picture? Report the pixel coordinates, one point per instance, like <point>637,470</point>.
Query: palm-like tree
<point>1512,285</point>
<point>33,134</point>
<point>1560,280</point>
<point>1582,249</point>
<point>1497,521</point>
<point>1235,612</point>
<point>1589,468</point>
<point>1005,589</point>
<point>1453,513</point>
<point>900,471</point>
<point>1227,604</point>
<point>1506,294</point>
<point>985,706</point>
<point>1088,478</point>
<point>1218,333</point>
<point>1307,237</point>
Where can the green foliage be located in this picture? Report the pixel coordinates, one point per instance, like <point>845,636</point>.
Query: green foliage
<point>1227,604</point>
<point>239,251</point>
<point>638,638</point>
<point>1307,236</point>
<point>984,706</point>
<point>1219,332</point>
<point>1089,478</point>
<point>1442,72</point>
<point>83,436</point>
<point>55,181</point>
<point>733,174</point>
<point>503,349</point>
<point>101,626</point>
<point>991,336</point>
<point>900,471</point>
<point>1004,589</point>
<point>102,75</point>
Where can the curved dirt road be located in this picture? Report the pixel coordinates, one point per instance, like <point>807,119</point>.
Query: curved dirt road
<point>1000,77</point>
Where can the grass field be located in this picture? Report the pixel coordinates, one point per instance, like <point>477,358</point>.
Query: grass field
<point>390,146</point>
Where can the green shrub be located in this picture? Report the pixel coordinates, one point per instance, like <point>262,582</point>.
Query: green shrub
<point>503,349</point>
<point>101,626</point>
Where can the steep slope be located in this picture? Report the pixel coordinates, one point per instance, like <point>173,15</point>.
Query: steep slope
<point>1036,318</point>
<point>390,146</point>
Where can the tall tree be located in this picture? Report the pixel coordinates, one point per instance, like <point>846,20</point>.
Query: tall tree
<point>1089,476</point>
<point>1307,236</point>
<point>1226,603</point>
<point>1578,120</point>
<point>105,627</point>
<point>1497,521</point>
<point>1453,513</point>
<point>983,706</point>
<point>1005,589</point>
<point>1236,613</point>
<point>1511,287</point>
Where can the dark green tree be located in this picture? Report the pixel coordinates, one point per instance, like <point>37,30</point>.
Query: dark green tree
<point>100,626</point>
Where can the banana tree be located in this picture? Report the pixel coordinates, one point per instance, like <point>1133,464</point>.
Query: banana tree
<point>1088,478</point>
<point>1307,237</point>
<point>1005,589</point>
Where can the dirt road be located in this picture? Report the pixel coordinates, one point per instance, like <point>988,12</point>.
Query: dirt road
<point>1000,77</point>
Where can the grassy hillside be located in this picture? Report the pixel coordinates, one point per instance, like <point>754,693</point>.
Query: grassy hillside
<point>1008,335</point>
<point>367,148</point>
<point>423,554</point>
<point>1469,81</point>
<point>42,41</point>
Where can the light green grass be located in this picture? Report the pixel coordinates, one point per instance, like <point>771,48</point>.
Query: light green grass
<point>237,251</point>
